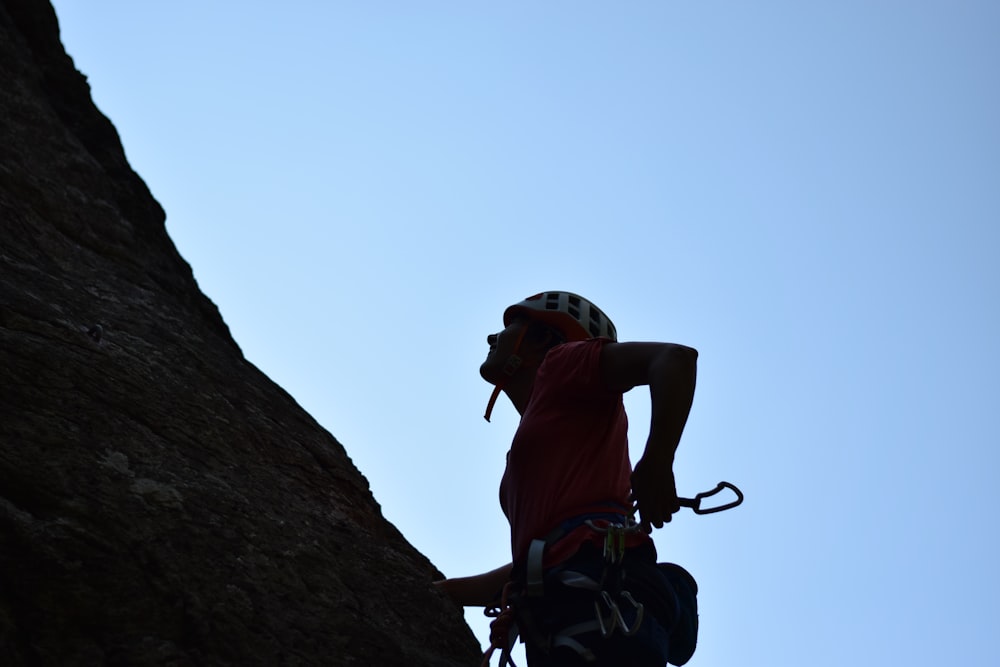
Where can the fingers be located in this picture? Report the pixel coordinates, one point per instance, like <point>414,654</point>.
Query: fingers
<point>648,519</point>
<point>653,494</point>
<point>655,509</point>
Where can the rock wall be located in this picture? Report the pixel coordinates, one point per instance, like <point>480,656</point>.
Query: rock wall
<point>162,502</point>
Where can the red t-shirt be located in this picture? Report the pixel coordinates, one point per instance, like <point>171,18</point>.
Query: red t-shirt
<point>569,455</point>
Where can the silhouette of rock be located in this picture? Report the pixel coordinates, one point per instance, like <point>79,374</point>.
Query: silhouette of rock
<point>162,502</point>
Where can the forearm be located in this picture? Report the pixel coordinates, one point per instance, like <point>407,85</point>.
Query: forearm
<point>480,590</point>
<point>672,377</point>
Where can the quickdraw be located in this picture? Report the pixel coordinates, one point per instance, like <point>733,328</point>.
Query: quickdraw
<point>695,503</point>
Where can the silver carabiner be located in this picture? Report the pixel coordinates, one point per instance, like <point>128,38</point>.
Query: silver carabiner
<point>615,615</point>
<point>639,608</point>
<point>616,620</point>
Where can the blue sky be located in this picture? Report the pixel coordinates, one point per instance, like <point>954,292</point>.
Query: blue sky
<point>808,193</point>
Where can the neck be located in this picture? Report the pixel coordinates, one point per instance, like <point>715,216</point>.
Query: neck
<point>518,389</point>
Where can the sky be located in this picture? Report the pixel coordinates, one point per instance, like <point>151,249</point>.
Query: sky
<point>806,192</point>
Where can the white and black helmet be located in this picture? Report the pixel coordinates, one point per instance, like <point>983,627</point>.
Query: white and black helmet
<point>570,314</point>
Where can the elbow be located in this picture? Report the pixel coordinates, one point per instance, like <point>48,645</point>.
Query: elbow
<point>684,356</point>
<point>677,361</point>
<point>690,362</point>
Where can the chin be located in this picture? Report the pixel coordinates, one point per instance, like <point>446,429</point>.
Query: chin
<point>487,373</point>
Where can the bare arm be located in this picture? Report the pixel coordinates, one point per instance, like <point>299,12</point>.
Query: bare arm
<point>670,371</point>
<point>481,590</point>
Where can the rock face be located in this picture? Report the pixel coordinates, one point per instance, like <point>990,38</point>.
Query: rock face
<point>162,502</point>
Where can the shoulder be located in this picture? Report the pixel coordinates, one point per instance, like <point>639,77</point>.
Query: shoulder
<point>576,351</point>
<point>577,363</point>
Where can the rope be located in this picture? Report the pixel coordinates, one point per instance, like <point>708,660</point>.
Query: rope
<point>502,629</point>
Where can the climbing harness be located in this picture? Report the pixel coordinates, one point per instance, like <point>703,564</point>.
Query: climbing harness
<point>616,609</point>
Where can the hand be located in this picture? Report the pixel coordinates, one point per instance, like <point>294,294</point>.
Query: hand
<point>654,492</point>
<point>480,590</point>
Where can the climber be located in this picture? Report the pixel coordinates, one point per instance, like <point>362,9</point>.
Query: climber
<point>569,491</point>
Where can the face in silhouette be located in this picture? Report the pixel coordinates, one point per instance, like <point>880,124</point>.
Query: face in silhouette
<point>528,340</point>
<point>502,346</point>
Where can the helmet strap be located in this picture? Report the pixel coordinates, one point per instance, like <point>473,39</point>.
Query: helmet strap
<point>510,367</point>
<point>493,399</point>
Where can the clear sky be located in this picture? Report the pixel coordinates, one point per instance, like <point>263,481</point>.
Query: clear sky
<point>806,192</point>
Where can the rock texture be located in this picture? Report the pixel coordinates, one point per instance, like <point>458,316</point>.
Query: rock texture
<point>161,501</point>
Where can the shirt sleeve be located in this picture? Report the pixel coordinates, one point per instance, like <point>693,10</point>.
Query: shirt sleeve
<point>576,368</point>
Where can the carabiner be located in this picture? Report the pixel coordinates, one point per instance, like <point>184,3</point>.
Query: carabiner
<point>615,617</point>
<point>614,538</point>
<point>695,503</point>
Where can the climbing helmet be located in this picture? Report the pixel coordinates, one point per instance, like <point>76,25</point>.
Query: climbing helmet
<point>568,313</point>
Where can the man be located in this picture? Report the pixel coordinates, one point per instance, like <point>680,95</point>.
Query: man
<point>568,486</point>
